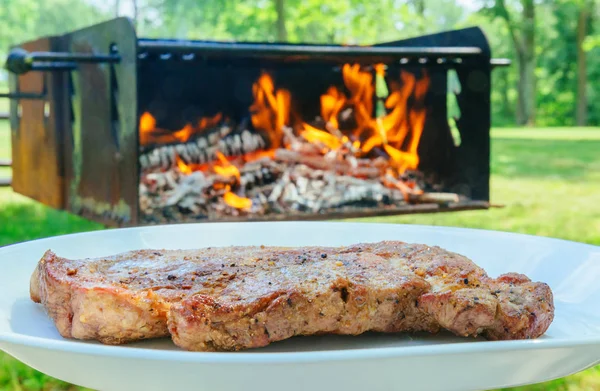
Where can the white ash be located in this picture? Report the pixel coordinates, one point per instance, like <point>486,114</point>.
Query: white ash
<point>300,179</point>
<point>293,188</point>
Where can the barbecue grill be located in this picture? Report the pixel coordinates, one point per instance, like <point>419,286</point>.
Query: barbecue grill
<point>130,131</point>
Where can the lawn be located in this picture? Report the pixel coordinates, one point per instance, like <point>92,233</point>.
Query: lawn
<point>548,180</point>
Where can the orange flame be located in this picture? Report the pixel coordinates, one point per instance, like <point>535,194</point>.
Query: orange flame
<point>315,136</point>
<point>371,143</point>
<point>209,122</point>
<point>150,134</point>
<point>270,109</point>
<point>147,123</point>
<point>417,120</point>
<point>402,160</point>
<point>332,103</point>
<point>236,201</point>
<point>188,168</point>
<point>360,84</point>
<point>392,130</point>
<point>396,132</point>
<point>380,69</point>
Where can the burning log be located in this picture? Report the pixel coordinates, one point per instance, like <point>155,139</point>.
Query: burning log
<point>241,144</point>
<point>320,162</point>
<point>333,130</point>
<point>203,149</point>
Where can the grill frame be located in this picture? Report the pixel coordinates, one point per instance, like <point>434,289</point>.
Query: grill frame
<point>94,114</point>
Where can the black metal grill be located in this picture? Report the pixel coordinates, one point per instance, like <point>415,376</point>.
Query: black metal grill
<point>81,96</point>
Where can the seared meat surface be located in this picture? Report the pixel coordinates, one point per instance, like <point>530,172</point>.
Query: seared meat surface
<point>234,298</point>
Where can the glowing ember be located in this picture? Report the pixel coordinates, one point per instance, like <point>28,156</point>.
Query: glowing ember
<point>226,169</point>
<point>184,168</point>
<point>257,155</point>
<point>236,201</point>
<point>188,168</point>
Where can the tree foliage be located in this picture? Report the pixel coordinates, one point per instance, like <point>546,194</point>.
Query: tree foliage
<point>553,44</point>
<point>24,20</point>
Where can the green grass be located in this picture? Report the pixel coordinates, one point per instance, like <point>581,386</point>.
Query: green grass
<point>4,103</point>
<point>549,186</point>
<point>4,139</point>
<point>548,180</point>
<point>4,146</point>
<point>547,133</point>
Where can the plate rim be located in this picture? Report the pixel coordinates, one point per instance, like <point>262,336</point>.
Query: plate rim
<point>248,357</point>
<point>301,222</point>
<point>317,356</point>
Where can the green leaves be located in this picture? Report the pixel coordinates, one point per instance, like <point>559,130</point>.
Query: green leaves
<point>353,22</point>
<point>24,20</point>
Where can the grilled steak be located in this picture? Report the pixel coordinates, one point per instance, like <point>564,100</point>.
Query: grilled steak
<point>244,297</point>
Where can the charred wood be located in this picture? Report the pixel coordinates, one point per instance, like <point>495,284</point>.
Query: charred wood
<point>320,162</point>
<point>202,149</point>
<point>438,198</point>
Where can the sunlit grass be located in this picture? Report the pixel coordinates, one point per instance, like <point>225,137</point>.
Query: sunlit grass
<point>590,133</point>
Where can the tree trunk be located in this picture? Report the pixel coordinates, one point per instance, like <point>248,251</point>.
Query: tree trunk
<point>420,8</point>
<point>135,13</point>
<point>582,102</point>
<point>526,91</point>
<point>281,29</point>
<point>527,65</point>
<point>524,42</point>
<point>117,6</point>
<point>504,87</point>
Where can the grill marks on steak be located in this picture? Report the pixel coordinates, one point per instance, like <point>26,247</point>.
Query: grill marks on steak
<point>244,297</point>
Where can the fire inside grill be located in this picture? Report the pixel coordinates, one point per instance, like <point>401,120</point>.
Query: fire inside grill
<point>360,152</point>
<point>130,131</point>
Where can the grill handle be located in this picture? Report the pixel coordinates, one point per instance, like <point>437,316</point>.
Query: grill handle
<point>20,61</point>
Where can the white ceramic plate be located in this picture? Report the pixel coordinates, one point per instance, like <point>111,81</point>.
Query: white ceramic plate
<point>368,362</point>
